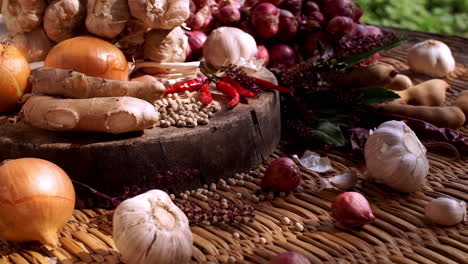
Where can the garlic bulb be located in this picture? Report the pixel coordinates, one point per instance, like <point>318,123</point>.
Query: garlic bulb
<point>431,57</point>
<point>446,211</point>
<point>150,228</point>
<point>107,18</point>
<point>166,45</point>
<point>160,14</point>
<point>228,45</point>
<point>395,156</point>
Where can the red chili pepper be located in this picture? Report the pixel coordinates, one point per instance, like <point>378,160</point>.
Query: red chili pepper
<point>262,84</point>
<point>205,94</point>
<point>241,90</point>
<point>230,92</point>
<point>191,85</point>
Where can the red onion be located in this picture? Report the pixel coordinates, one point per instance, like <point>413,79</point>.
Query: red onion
<point>248,6</point>
<point>282,175</point>
<point>196,41</point>
<point>265,19</point>
<point>360,31</point>
<point>290,257</point>
<point>340,26</point>
<point>262,54</point>
<point>193,7</point>
<point>228,15</point>
<point>247,27</point>
<point>274,2</point>
<point>287,26</point>
<point>333,8</point>
<point>374,31</point>
<point>196,21</point>
<point>310,7</point>
<point>352,209</point>
<point>312,22</point>
<point>235,3</point>
<point>293,6</point>
<point>357,15</point>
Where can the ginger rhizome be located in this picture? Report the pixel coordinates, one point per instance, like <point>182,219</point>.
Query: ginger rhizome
<point>72,84</point>
<point>64,19</point>
<point>105,114</point>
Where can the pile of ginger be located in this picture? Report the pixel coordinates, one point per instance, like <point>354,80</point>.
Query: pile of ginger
<point>143,29</point>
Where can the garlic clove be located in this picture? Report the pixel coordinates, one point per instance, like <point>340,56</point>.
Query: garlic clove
<point>342,182</point>
<point>431,57</point>
<point>445,211</point>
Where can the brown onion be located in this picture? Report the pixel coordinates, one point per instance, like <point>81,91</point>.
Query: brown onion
<point>37,198</point>
<point>352,209</point>
<point>290,257</point>
<point>282,175</point>
<point>91,56</point>
<point>14,73</point>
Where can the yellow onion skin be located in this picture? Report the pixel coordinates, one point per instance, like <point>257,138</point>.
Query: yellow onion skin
<point>14,74</point>
<point>37,198</point>
<point>91,56</point>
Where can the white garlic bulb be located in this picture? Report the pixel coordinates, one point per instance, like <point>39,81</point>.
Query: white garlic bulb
<point>431,57</point>
<point>395,156</point>
<point>228,45</point>
<point>166,45</point>
<point>446,211</point>
<point>150,228</point>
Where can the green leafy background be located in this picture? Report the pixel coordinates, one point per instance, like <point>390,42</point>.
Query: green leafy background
<point>439,16</point>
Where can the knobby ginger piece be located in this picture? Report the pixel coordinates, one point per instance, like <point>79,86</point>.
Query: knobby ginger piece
<point>166,45</point>
<point>160,14</point>
<point>107,18</point>
<point>22,15</point>
<point>72,84</point>
<point>34,45</point>
<point>106,114</point>
<point>63,19</point>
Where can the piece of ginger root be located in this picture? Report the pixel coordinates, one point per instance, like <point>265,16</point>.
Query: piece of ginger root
<point>72,84</point>
<point>105,114</point>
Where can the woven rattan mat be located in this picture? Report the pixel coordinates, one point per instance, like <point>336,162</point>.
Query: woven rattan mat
<point>300,221</point>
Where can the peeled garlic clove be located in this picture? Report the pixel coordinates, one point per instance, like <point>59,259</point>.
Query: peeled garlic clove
<point>352,209</point>
<point>150,228</point>
<point>431,57</point>
<point>395,156</point>
<point>446,211</point>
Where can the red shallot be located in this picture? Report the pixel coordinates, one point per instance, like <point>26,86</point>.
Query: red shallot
<point>282,175</point>
<point>340,26</point>
<point>262,54</point>
<point>196,41</point>
<point>287,26</point>
<point>265,19</point>
<point>352,209</point>
<point>282,55</point>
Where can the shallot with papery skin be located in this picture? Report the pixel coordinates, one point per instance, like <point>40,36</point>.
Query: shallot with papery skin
<point>340,26</point>
<point>290,257</point>
<point>274,2</point>
<point>352,209</point>
<point>333,8</point>
<point>282,55</point>
<point>282,175</point>
<point>287,26</point>
<point>312,22</point>
<point>293,6</point>
<point>262,54</point>
<point>265,19</point>
<point>196,40</point>
<point>228,15</point>
<point>374,31</point>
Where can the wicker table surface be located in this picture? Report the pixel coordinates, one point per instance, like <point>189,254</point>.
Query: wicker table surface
<point>399,235</point>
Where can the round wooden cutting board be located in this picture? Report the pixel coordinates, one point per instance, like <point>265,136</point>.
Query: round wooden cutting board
<point>235,140</point>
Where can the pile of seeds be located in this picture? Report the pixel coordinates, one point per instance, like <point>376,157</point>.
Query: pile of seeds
<point>184,110</point>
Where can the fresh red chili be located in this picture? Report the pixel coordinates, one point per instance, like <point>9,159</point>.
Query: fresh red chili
<point>262,84</point>
<point>205,94</point>
<point>191,85</point>
<point>241,90</point>
<point>230,92</point>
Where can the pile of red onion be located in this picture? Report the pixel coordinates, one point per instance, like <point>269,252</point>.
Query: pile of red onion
<point>286,30</point>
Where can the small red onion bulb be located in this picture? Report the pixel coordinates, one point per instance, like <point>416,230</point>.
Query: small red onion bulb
<point>352,209</point>
<point>282,175</point>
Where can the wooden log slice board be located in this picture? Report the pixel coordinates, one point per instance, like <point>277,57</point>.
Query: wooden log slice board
<point>235,140</point>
